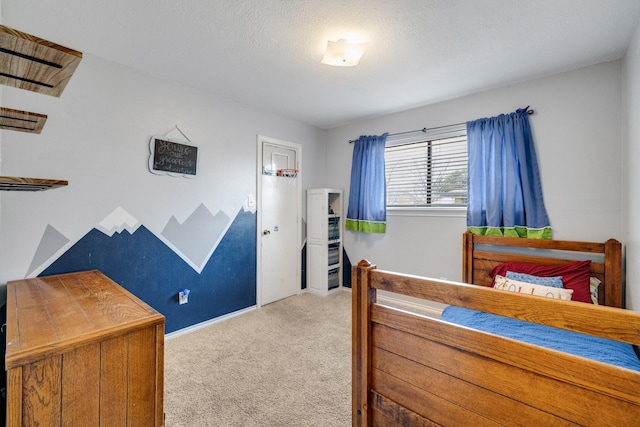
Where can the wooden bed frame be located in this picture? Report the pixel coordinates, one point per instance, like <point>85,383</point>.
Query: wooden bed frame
<point>414,370</point>
<point>480,254</point>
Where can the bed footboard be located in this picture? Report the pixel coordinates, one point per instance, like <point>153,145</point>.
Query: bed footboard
<point>413,370</point>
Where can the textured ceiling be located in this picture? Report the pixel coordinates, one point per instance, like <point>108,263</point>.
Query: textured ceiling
<point>266,53</point>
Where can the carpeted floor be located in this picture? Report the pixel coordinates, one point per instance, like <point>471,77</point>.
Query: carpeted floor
<point>285,364</point>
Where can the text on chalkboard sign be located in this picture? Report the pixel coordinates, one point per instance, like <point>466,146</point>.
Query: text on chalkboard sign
<point>170,157</point>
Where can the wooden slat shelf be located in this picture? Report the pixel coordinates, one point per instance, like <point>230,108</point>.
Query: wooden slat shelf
<point>10,183</point>
<point>22,121</point>
<point>31,63</point>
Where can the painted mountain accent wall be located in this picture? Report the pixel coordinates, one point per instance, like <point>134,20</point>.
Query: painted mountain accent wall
<point>197,235</point>
<point>52,240</point>
<point>117,221</point>
<point>346,269</point>
<point>143,264</point>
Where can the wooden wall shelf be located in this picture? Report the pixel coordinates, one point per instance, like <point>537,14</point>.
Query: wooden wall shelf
<point>10,183</point>
<point>31,63</point>
<point>22,121</point>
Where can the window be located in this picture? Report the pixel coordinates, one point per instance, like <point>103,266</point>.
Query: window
<point>429,170</point>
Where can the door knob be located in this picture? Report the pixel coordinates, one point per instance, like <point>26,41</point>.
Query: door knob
<point>265,232</point>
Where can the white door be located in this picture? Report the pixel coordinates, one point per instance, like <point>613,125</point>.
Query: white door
<point>279,229</point>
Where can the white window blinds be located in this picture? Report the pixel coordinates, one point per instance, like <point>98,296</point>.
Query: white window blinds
<point>427,170</point>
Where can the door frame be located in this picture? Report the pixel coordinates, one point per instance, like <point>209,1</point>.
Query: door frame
<point>260,139</point>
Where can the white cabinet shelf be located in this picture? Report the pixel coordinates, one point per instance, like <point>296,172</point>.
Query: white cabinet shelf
<point>324,240</point>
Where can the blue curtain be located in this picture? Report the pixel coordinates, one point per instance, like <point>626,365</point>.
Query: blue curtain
<point>368,192</point>
<point>505,192</point>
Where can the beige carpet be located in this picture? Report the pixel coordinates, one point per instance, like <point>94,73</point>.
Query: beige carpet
<point>285,364</point>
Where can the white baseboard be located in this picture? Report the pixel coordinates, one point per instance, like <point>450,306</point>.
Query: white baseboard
<point>206,323</point>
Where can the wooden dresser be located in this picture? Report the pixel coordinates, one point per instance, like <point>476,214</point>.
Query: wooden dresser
<point>82,351</point>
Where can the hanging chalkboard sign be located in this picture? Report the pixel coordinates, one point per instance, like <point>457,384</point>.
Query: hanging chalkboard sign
<point>171,157</point>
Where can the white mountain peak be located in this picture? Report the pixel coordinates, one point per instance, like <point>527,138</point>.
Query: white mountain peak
<point>117,221</point>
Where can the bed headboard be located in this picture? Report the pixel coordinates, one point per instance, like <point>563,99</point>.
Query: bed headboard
<point>480,254</point>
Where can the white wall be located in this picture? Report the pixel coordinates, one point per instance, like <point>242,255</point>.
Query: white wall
<point>632,172</point>
<point>97,137</point>
<point>577,130</point>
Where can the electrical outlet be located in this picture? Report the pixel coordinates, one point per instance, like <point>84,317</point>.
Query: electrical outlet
<point>183,296</point>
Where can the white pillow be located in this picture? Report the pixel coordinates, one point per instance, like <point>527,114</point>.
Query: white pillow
<point>510,285</point>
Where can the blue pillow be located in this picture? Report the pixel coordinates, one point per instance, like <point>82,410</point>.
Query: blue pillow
<point>554,282</point>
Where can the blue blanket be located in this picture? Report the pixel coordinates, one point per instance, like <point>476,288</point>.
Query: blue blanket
<point>595,348</point>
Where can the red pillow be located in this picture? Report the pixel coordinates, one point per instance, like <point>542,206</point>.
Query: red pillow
<point>574,275</point>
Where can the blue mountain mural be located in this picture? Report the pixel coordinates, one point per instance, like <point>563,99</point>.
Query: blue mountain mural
<point>144,265</point>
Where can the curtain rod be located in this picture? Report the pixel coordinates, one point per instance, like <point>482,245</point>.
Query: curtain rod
<point>424,130</point>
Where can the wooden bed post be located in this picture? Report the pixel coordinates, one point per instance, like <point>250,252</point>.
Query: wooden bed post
<point>467,257</point>
<point>613,273</point>
<point>361,297</point>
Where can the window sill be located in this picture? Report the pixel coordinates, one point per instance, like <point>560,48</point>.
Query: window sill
<point>457,212</point>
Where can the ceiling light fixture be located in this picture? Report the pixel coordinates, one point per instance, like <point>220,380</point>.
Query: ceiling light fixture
<point>343,53</point>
